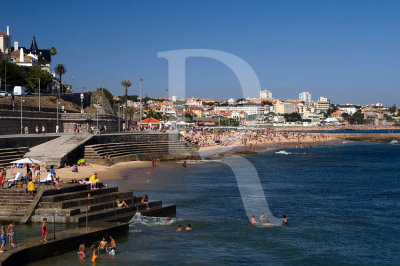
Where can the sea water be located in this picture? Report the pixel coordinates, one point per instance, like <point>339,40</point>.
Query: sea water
<point>342,203</point>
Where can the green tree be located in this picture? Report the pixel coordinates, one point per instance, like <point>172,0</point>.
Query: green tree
<point>357,118</point>
<point>240,100</point>
<point>393,109</point>
<point>53,52</point>
<point>60,71</point>
<point>107,94</point>
<point>36,73</point>
<point>153,114</point>
<point>16,75</point>
<point>189,117</point>
<point>126,84</point>
<point>131,112</point>
<point>292,117</point>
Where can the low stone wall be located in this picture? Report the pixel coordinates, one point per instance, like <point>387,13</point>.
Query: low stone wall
<point>10,121</point>
<point>16,142</point>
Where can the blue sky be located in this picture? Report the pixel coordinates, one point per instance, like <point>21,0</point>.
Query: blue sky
<point>347,51</point>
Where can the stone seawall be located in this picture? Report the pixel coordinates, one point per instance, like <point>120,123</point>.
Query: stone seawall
<point>65,241</point>
<point>23,141</point>
<point>377,137</point>
<point>10,121</point>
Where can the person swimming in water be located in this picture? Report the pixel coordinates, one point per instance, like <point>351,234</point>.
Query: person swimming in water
<point>253,220</point>
<point>262,217</point>
<point>189,227</point>
<point>81,252</point>
<point>168,221</point>
<point>184,164</point>
<point>95,253</point>
<point>284,220</point>
<point>179,228</point>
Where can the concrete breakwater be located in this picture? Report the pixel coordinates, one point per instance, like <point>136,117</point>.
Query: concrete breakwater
<point>32,250</point>
<point>375,137</point>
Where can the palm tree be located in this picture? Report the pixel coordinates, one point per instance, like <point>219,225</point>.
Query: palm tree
<point>131,111</point>
<point>126,84</point>
<point>53,52</point>
<point>60,70</point>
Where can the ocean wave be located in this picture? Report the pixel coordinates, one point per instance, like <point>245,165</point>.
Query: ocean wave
<point>150,221</point>
<point>283,152</point>
<point>199,161</point>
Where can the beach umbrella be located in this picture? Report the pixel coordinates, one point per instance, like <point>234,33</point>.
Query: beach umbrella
<point>27,160</point>
<point>81,161</point>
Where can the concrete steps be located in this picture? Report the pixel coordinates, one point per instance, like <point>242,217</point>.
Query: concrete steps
<point>72,205</point>
<point>8,155</point>
<point>166,147</point>
<point>14,204</point>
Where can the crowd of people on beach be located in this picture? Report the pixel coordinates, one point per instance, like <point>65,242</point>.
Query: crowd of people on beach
<point>251,138</point>
<point>27,176</point>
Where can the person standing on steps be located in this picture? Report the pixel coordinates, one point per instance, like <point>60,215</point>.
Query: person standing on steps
<point>154,162</point>
<point>43,129</point>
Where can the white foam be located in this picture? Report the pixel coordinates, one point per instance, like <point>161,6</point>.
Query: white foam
<point>283,152</point>
<point>150,221</point>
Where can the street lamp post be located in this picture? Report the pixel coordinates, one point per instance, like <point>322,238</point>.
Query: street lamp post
<point>82,95</point>
<point>39,94</point>
<point>21,113</point>
<point>140,95</point>
<point>58,101</point>
<point>119,117</point>
<point>97,115</point>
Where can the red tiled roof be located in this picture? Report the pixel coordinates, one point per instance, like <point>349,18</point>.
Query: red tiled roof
<point>150,120</point>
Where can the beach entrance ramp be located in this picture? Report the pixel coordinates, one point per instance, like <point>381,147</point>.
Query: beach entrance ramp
<point>60,150</point>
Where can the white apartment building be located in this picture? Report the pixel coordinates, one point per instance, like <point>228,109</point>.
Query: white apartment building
<point>305,109</point>
<point>248,108</point>
<point>305,96</point>
<point>348,108</point>
<point>323,104</point>
<point>265,94</point>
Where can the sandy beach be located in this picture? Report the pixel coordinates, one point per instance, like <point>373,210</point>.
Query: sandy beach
<point>104,172</point>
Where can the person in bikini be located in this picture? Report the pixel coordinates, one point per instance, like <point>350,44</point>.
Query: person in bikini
<point>121,204</point>
<point>81,252</point>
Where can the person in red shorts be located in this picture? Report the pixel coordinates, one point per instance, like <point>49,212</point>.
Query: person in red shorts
<point>44,231</point>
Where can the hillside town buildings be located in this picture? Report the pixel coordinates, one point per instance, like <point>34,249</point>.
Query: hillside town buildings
<point>21,55</point>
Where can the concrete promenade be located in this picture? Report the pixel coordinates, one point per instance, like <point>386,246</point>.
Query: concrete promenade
<point>32,250</point>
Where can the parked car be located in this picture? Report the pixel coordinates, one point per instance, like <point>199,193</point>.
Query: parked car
<point>3,93</point>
